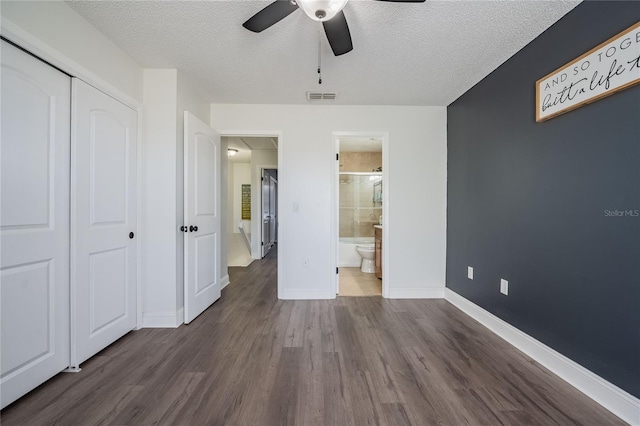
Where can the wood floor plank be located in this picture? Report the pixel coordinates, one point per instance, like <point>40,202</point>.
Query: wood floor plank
<point>310,407</point>
<point>175,396</point>
<point>253,360</point>
<point>338,409</point>
<point>295,329</point>
<point>395,415</point>
<point>284,396</point>
<point>365,406</point>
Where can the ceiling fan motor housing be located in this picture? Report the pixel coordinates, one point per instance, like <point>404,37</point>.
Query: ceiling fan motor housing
<point>321,10</point>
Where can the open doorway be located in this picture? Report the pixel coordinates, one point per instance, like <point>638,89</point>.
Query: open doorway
<point>249,158</point>
<point>360,213</point>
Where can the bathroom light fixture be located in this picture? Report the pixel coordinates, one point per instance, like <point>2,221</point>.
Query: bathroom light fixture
<point>321,10</point>
<point>231,152</point>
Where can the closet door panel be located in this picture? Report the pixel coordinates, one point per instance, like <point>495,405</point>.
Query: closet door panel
<point>34,223</point>
<point>104,216</point>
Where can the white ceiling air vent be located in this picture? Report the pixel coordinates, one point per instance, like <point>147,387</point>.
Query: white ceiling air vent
<point>322,96</point>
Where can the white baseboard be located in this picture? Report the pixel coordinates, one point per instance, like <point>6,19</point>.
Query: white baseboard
<point>416,293</point>
<point>163,319</point>
<point>305,295</point>
<point>224,282</point>
<point>611,397</point>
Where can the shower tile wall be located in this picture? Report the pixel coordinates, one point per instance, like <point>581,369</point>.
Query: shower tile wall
<point>358,212</point>
<point>360,161</point>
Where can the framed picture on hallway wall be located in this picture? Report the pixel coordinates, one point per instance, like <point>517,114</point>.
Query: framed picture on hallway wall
<point>246,202</point>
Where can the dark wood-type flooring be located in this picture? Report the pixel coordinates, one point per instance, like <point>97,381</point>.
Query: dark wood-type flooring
<point>251,359</point>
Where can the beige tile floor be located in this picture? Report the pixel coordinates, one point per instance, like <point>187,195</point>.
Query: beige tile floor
<point>353,282</point>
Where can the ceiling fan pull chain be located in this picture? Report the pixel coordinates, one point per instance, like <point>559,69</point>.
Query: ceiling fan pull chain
<point>319,58</point>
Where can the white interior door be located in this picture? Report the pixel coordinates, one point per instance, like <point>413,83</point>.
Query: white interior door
<point>104,217</point>
<point>202,216</point>
<point>34,223</point>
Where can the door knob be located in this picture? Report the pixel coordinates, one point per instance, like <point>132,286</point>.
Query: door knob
<point>131,235</point>
<point>193,228</point>
<point>184,229</point>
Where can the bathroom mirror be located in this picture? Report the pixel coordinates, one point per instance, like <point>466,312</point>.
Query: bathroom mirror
<point>377,192</point>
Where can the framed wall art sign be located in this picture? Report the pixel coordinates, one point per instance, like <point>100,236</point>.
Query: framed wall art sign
<point>246,202</point>
<point>604,70</point>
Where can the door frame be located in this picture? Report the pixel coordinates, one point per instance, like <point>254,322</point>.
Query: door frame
<point>33,45</point>
<point>281,172</point>
<point>335,200</point>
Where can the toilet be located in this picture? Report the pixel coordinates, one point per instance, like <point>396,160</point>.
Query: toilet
<point>367,252</point>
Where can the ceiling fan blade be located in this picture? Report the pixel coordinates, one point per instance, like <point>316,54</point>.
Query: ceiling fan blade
<point>270,15</point>
<point>337,31</point>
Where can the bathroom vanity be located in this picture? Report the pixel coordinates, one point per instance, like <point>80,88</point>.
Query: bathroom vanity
<point>378,253</point>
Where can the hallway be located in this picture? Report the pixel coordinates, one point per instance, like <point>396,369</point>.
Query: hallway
<point>251,359</point>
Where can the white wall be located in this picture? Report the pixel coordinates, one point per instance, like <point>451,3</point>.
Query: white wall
<point>417,158</point>
<point>259,160</point>
<point>230,195</point>
<point>159,250</point>
<point>241,176</point>
<point>56,25</point>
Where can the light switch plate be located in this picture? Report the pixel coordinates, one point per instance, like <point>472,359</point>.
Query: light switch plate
<point>504,287</point>
<point>470,272</point>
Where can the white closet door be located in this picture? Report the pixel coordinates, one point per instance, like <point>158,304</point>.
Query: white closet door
<point>103,259</point>
<point>34,223</point>
<point>202,216</point>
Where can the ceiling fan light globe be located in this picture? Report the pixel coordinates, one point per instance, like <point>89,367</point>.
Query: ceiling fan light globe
<point>321,10</point>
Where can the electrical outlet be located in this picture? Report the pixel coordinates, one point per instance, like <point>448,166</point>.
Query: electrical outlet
<point>504,287</point>
<point>470,272</point>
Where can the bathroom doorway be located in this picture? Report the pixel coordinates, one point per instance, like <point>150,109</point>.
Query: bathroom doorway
<point>360,214</point>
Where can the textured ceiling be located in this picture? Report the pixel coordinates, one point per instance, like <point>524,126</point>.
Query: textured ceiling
<point>404,54</point>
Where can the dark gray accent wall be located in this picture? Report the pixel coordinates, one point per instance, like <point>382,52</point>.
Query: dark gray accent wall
<point>527,202</point>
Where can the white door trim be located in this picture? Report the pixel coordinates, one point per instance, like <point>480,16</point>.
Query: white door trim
<point>335,226</point>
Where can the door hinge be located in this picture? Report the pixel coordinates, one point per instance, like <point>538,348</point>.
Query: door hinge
<point>262,243</point>
<point>337,270</point>
<point>337,156</point>
<point>262,179</point>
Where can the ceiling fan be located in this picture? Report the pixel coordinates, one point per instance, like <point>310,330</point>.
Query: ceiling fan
<point>329,12</point>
